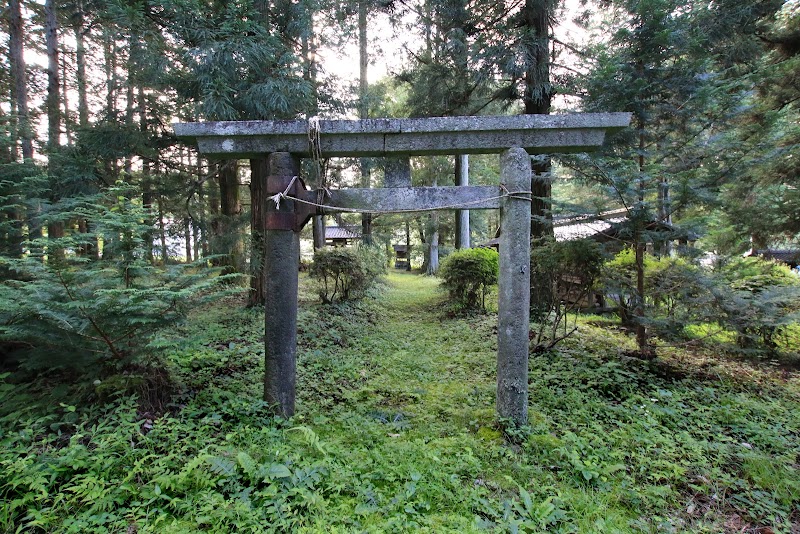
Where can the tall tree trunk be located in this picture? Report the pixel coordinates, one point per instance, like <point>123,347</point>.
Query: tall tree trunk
<point>230,209</point>
<point>9,151</point>
<point>408,246</point>
<point>428,19</point>
<point>213,230</point>
<point>65,96</point>
<point>462,216</point>
<point>22,133</point>
<point>130,83</point>
<point>84,249</point>
<point>110,68</point>
<point>203,231</point>
<point>19,87</point>
<point>310,74</point>
<point>80,68</point>
<point>187,238</point>
<point>641,330</point>
<point>363,108</point>
<point>259,171</point>
<point>147,182</point>
<point>55,232</point>
<point>55,228</point>
<point>162,230</point>
<point>426,250</point>
<point>147,204</point>
<point>53,101</point>
<point>541,189</point>
<point>664,213</point>
<point>197,239</point>
<point>537,100</point>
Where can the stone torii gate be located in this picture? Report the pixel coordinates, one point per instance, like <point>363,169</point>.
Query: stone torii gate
<point>285,142</point>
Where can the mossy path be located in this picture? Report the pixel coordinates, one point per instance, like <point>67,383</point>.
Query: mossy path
<point>418,433</point>
<point>423,407</point>
<point>423,362</point>
<point>611,447</point>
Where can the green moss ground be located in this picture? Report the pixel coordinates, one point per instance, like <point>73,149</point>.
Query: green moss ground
<point>396,432</point>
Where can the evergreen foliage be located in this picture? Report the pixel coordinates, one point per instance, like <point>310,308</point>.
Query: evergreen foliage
<point>757,159</point>
<point>761,302</point>
<point>752,299</point>
<point>238,68</point>
<point>395,433</point>
<point>75,312</point>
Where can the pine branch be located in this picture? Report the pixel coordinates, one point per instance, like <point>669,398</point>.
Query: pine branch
<point>576,51</point>
<point>109,343</point>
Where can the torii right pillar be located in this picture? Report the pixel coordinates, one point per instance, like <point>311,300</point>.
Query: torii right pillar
<point>513,324</point>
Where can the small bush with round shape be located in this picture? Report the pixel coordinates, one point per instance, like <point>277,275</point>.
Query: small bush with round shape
<point>468,274</point>
<point>346,273</point>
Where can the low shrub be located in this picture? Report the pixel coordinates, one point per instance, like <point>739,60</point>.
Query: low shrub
<point>562,277</point>
<point>760,300</point>
<point>753,299</point>
<point>468,274</point>
<point>346,273</point>
<point>676,292</point>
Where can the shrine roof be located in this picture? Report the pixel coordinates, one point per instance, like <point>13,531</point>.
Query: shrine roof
<point>342,232</point>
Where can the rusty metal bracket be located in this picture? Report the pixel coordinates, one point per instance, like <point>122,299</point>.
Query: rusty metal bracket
<point>290,215</point>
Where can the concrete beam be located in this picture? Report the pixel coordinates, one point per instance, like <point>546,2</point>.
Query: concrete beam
<point>412,198</point>
<point>428,136</point>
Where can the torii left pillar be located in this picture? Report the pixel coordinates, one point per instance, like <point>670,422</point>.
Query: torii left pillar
<point>282,254</point>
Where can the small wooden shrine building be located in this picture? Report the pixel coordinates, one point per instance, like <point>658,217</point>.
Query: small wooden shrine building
<point>341,236</point>
<point>402,257</point>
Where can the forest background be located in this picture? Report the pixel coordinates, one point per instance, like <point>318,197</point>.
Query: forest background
<point>711,86</point>
<point>112,229</point>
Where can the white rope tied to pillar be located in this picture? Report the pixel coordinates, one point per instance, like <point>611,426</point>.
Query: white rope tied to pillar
<point>519,195</point>
<point>285,194</point>
<point>320,163</point>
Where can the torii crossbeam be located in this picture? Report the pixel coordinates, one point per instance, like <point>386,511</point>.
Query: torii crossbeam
<point>285,142</point>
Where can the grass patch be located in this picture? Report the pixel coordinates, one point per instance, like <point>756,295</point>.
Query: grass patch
<point>396,432</point>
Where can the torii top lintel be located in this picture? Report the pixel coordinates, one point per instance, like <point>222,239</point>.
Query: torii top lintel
<point>537,134</point>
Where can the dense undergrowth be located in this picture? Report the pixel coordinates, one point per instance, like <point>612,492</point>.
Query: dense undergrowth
<point>396,432</point>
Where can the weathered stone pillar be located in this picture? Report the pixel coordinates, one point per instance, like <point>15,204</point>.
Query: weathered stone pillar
<point>282,254</point>
<point>462,216</point>
<point>514,287</point>
<point>318,231</point>
<point>397,172</point>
